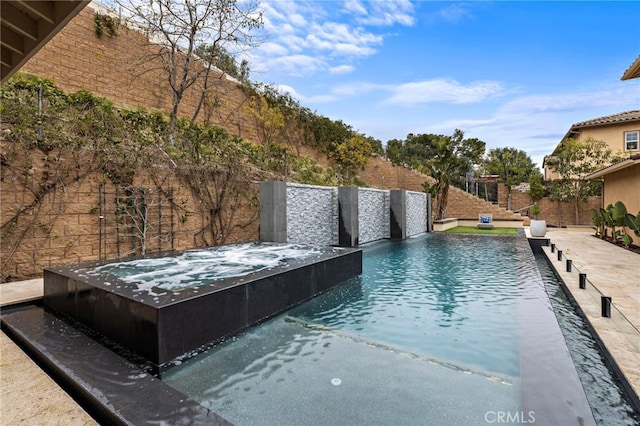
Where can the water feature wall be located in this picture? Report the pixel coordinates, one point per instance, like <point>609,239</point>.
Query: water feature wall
<point>373,208</point>
<point>318,206</point>
<point>416,213</point>
<point>345,216</point>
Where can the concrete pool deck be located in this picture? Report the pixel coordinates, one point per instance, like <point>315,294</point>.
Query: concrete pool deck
<point>611,271</point>
<point>29,396</point>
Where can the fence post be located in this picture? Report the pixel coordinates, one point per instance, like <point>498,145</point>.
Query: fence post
<point>606,306</point>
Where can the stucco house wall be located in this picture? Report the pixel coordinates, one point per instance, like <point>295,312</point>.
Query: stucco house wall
<point>624,185</point>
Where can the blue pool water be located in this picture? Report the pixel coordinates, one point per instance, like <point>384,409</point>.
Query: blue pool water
<point>439,330</point>
<point>442,300</point>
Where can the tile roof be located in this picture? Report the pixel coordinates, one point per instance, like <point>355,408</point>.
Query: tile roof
<point>609,119</point>
<point>633,71</point>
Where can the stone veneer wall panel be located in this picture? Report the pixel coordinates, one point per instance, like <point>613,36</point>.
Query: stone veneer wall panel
<point>312,214</point>
<point>416,213</point>
<point>373,207</point>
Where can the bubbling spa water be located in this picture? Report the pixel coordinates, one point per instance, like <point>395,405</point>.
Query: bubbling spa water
<point>194,268</point>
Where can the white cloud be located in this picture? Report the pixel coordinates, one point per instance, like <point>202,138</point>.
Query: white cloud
<point>274,49</point>
<point>561,102</point>
<point>297,64</point>
<point>453,13</point>
<point>340,39</point>
<point>358,88</point>
<point>356,7</point>
<point>341,69</point>
<point>382,13</point>
<point>443,90</point>
<point>536,123</point>
<point>319,30</point>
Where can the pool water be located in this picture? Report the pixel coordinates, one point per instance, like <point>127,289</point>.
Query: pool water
<point>438,330</point>
<point>438,299</point>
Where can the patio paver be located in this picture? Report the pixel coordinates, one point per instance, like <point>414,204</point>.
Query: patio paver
<point>614,272</point>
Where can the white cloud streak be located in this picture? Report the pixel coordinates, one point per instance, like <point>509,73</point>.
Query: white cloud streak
<point>443,90</point>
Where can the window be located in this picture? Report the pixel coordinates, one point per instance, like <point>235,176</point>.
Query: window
<point>631,141</point>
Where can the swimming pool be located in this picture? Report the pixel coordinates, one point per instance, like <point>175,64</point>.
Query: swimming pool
<point>297,370</point>
<point>439,329</point>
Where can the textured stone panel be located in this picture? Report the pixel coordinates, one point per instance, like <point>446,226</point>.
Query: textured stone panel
<point>416,213</point>
<point>312,215</point>
<point>373,205</point>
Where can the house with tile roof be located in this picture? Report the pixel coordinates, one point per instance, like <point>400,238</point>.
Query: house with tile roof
<point>621,181</point>
<point>620,131</point>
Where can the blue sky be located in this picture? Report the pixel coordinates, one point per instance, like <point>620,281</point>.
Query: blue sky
<point>512,73</point>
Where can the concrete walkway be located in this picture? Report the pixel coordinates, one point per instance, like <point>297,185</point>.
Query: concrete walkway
<point>29,396</point>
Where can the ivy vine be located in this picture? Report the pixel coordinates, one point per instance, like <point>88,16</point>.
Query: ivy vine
<point>105,23</point>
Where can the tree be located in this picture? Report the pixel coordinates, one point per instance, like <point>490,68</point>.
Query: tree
<point>376,146</point>
<point>393,151</point>
<point>328,133</point>
<point>536,187</point>
<point>513,166</point>
<point>295,130</point>
<point>352,154</point>
<point>574,161</point>
<point>445,158</point>
<point>221,59</point>
<point>178,27</point>
<point>269,120</point>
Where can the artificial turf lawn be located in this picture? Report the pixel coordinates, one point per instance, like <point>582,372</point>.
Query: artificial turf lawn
<point>474,230</point>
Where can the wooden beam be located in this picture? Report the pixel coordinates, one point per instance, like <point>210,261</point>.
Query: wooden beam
<point>18,21</point>
<point>6,58</point>
<point>11,40</point>
<point>42,9</point>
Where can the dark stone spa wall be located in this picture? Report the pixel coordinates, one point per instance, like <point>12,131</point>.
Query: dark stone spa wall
<point>163,328</point>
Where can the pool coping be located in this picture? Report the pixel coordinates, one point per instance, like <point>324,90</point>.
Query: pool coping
<point>122,393</point>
